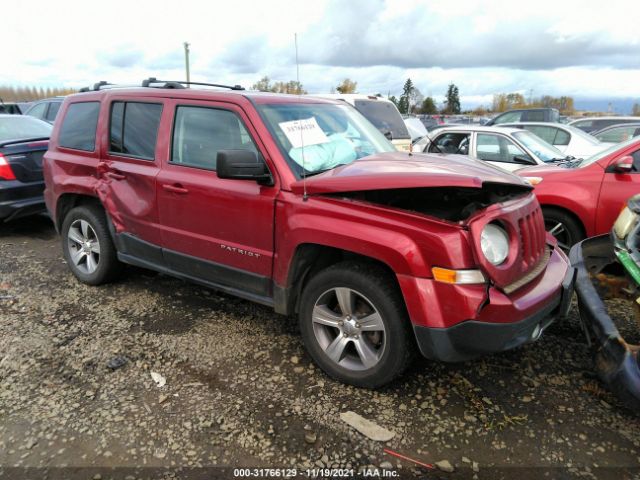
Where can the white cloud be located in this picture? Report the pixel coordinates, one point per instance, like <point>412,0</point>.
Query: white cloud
<point>577,47</point>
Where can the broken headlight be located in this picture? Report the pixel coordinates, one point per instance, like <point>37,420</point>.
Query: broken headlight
<point>624,223</point>
<point>494,243</point>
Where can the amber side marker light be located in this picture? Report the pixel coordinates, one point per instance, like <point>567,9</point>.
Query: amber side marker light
<point>457,277</point>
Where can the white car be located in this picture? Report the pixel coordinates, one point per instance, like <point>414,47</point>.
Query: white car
<point>569,140</point>
<point>507,148</point>
<point>381,112</point>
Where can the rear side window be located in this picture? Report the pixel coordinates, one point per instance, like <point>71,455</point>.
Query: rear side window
<point>78,129</point>
<point>562,138</point>
<point>134,128</point>
<point>200,132</point>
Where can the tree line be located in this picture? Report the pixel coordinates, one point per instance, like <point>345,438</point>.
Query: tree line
<point>29,94</point>
<point>410,101</point>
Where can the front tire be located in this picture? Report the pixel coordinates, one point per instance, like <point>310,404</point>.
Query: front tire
<point>354,324</point>
<point>87,246</point>
<point>565,229</point>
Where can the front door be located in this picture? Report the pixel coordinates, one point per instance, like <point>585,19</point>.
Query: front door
<point>216,230</point>
<point>616,189</point>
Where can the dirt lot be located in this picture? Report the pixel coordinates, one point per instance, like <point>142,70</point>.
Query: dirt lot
<point>241,392</point>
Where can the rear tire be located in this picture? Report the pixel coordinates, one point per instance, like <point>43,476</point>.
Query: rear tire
<point>87,246</point>
<point>354,324</point>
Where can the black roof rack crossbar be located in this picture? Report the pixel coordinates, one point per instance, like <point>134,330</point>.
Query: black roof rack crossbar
<point>180,84</point>
<point>96,86</point>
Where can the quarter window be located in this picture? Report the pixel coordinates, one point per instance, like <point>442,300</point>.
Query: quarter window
<point>134,128</point>
<point>200,132</point>
<point>78,129</point>
<point>52,113</point>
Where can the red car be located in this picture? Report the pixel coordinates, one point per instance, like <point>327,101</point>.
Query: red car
<point>583,198</point>
<point>302,205</point>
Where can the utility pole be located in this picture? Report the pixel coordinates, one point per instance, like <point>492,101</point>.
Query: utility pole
<point>186,61</point>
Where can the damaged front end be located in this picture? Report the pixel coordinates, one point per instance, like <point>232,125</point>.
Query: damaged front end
<point>608,267</point>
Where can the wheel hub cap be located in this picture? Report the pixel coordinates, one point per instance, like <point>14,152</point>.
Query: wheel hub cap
<point>350,327</point>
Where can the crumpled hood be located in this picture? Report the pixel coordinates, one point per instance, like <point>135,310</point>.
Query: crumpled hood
<point>401,170</point>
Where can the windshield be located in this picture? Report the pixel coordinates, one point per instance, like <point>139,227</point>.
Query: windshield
<point>540,148</point>
<point>604,153</point>
<point>385,116</point>
<point>318,137</point>
<point>17,127</point>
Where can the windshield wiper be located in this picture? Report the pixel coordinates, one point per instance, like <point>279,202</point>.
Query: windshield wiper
<point>318,172</point>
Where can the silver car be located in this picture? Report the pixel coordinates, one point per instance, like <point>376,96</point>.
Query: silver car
<point>507,148</point>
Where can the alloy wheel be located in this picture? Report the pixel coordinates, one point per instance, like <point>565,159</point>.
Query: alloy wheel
<point>84,247</point>
<point>349,329</point>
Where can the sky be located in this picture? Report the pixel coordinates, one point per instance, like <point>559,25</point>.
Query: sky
<point>586,49</point>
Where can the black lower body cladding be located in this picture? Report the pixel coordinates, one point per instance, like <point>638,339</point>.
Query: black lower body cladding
<point>616,360</point>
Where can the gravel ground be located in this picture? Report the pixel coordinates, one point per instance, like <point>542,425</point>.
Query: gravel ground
<point>241,392</point>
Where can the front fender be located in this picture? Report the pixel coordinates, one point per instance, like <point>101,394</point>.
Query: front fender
<point>408,244</point>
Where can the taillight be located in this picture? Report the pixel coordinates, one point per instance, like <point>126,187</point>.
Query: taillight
<point>5,169</point>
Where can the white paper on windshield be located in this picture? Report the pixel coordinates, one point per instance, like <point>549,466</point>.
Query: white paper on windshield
<point>304,132</point>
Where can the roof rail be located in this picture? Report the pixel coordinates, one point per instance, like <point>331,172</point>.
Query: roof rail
<point>149,82</point>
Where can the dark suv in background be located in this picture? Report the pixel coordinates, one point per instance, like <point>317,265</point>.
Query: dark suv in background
<point>526,115</point>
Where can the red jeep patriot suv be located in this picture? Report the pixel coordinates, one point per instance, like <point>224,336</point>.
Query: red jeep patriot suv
<point>300,203</point>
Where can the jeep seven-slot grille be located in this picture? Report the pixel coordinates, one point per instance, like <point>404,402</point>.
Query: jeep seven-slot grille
<point>532,238</point>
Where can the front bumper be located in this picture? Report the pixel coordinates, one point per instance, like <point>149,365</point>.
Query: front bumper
<point>495,330</point>
<point>616,361</point>
<point>18,199</point>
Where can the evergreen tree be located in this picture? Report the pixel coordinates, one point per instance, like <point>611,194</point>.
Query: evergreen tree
<point>452,100</point>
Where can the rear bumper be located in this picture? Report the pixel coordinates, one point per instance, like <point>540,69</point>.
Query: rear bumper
<point>616,363</point>
<point>505,322</point>
<point>18,199</point>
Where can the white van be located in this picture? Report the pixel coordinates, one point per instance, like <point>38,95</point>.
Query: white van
<point>381,112</point>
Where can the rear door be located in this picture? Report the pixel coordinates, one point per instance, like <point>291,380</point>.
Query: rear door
<point>214,229</point>
<point>128,171</point>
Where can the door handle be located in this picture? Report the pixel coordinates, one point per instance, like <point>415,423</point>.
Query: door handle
<point>175,188</point>
<point>116,176</point>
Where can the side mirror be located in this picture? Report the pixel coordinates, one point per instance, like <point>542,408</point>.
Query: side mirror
<point>388,134</point>
<point>523,160</point>
<point>242,165</point>
<point>623,164</point>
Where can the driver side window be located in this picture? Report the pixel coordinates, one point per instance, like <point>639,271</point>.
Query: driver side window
<point>457,143</point>
<point>496,148</point>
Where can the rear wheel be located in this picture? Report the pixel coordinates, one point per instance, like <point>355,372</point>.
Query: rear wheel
<point>564,227</point>
<point>87,246</point>
<point>354,324</point>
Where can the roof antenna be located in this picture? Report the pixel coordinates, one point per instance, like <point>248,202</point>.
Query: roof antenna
<point>304,170</point>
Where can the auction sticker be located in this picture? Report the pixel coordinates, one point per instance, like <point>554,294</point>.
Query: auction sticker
<point>303,132</point>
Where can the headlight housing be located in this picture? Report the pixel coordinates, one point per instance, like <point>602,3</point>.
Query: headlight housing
<point>494,243</point>
<point>624,223</point>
